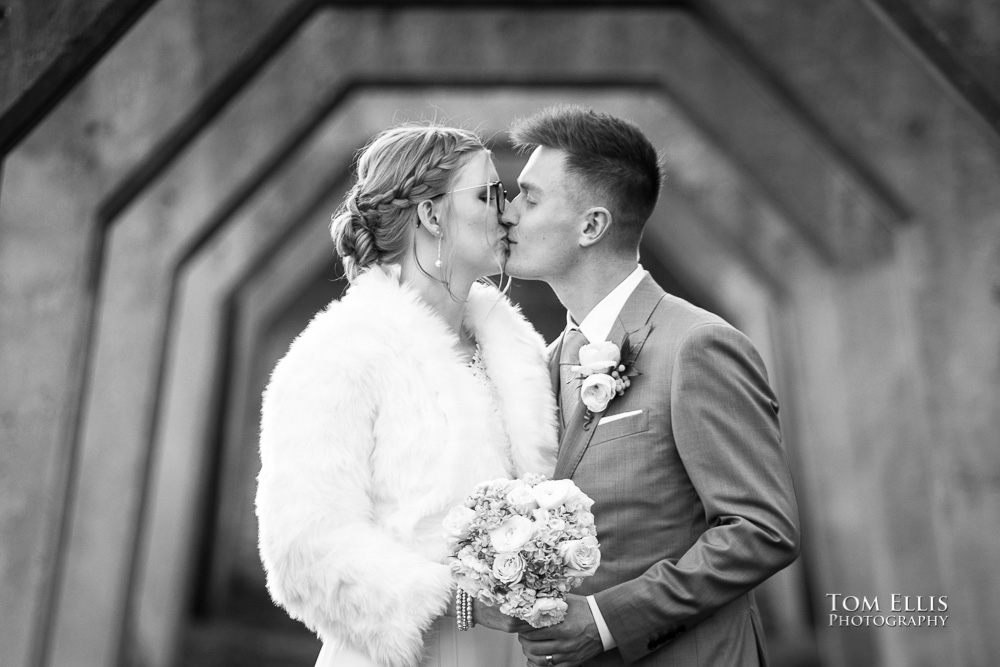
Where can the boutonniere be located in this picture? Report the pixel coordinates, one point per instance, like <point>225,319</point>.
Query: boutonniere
<point>605,372</point>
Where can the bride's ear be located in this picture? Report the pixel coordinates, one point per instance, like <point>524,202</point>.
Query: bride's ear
<point>427,217</point>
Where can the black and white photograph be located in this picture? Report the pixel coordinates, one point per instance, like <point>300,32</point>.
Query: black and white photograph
<point>464,333</point>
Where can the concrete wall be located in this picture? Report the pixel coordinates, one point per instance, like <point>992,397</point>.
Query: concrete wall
<point>914,339</point>
<point>827,190</point>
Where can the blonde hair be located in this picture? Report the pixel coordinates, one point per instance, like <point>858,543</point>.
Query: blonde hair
<point>399,168</point>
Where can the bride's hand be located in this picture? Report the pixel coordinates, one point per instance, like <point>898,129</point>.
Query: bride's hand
<point>493,618</point>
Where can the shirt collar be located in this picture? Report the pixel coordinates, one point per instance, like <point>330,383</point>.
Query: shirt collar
<point>599,321</point>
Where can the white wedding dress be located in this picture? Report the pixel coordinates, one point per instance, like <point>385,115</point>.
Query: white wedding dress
<point>445,645</point>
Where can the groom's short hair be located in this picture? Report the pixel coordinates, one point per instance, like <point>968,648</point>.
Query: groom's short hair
<point>609,156</point>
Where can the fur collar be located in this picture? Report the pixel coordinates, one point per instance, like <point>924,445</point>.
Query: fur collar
<point>513,354</point>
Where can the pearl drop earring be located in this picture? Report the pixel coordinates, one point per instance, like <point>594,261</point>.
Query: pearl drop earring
<point>438,262</point>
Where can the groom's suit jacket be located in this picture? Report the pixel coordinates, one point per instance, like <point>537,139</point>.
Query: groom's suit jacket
<point>693,499</point>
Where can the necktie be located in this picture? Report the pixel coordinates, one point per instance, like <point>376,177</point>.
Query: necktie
<point>573,340</point>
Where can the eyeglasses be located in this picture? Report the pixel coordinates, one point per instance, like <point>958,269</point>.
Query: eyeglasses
<point>495,190</point>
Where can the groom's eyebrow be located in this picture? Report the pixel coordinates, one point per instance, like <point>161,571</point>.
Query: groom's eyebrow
<point>525,186</point>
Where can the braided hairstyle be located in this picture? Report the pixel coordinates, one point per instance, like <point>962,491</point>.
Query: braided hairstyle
<point>399,168</point>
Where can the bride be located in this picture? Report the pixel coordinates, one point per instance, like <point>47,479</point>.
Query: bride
<point>393,404</point>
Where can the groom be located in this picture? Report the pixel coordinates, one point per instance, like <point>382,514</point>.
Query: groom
<point>693,498</point>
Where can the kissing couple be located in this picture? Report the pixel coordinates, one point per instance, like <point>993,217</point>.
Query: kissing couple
<point>424,380</point>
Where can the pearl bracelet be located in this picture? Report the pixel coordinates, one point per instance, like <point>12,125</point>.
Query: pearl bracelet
<point>463,610</point>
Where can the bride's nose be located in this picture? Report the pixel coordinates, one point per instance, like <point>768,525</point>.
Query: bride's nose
<point>510,214</point>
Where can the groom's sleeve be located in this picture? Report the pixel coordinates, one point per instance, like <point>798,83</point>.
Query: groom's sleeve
<point>724,422</point>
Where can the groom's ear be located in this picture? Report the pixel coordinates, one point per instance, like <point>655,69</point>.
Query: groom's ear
<point>597,223</point>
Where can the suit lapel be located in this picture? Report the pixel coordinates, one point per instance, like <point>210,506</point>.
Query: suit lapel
<point>640,306</point>
<point>631,324</point>
<point>575,440</point>
<point>554,356</point>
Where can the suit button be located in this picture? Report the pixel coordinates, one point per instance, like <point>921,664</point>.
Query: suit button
<point>656,641</point>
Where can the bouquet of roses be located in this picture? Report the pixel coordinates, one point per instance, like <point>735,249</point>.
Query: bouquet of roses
<point>523,544</point>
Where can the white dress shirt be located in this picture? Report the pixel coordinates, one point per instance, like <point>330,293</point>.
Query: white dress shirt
<point>596,326</point>
<point>599,321</point>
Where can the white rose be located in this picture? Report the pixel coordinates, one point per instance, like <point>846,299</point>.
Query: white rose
<point>599,358</point>
<point>581,556</point>
<point>508,568</point>
<point>556,525</point>
<point>579,501</point>
<point>471,562</point>
<point>512,534</point>
<point>466,579</point>
<point>522,497</point>
<point>553,493</point>
<point>546,612</point>
<point>597,391</point>
<point>458,521</point>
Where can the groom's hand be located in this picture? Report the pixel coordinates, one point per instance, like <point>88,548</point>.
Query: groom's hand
<point>493,618</point>
<point>569,643</point>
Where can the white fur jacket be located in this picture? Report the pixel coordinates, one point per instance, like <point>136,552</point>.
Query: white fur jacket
<point>372,428</point>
